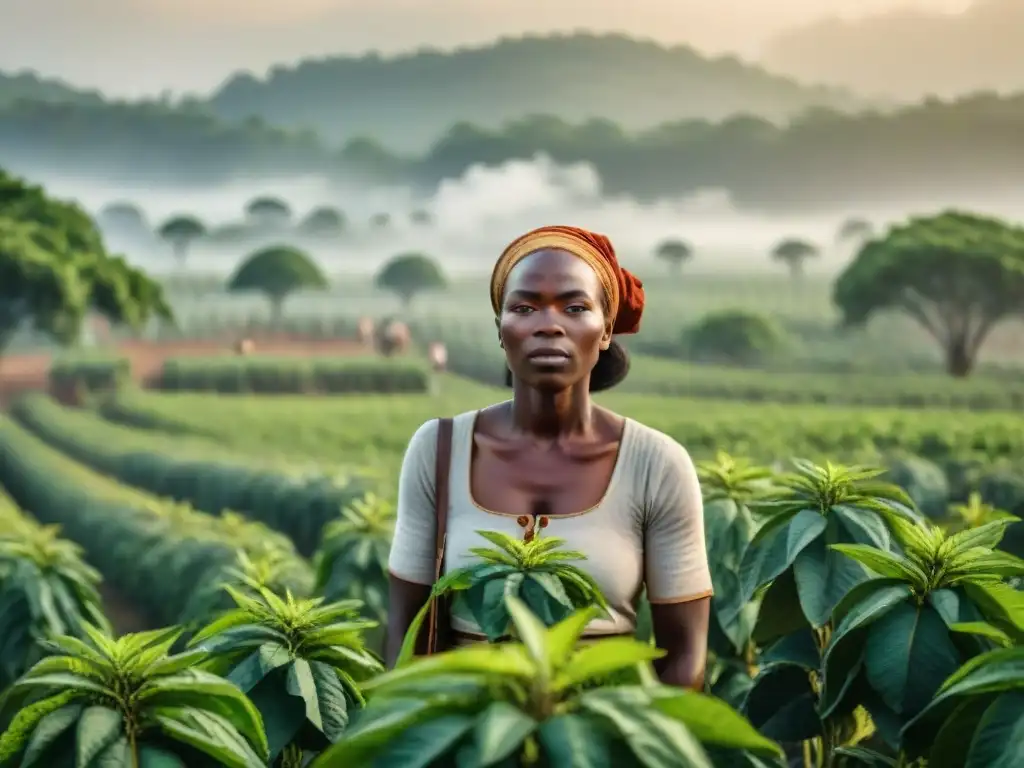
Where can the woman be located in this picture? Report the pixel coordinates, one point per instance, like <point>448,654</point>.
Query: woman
<point>624,494</point>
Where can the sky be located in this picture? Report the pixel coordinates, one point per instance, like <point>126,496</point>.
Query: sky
<point>133,48</point>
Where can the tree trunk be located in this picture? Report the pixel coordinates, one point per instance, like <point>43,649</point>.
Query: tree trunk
<point>796,268</point>
<point>180,253</point>
<point>276,312</point>
<point>959,359</point>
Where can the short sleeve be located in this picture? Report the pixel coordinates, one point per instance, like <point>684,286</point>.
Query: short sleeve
<point>412,556</point>
<point>676,560</point>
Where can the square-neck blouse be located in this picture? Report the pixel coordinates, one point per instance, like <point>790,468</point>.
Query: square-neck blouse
<point>647,530</point>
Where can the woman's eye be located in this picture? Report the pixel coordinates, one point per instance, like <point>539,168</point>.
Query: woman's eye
<point>576,308</point>
<point>522,310</point>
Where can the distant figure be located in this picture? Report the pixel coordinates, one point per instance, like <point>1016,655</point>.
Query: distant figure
<point>437,354</point>
<point>395,339</point>
<point>245,347</point>
<point>365,330</point>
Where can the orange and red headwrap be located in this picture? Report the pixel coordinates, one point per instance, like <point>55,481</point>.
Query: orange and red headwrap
<point>624,290</point>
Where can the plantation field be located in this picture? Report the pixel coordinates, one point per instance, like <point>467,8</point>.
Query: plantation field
<point>365,429</point>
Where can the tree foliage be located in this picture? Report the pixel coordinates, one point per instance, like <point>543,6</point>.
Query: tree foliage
<point>409,274</point>
<point>733,337</point>
<point>268,211</point>
<point>793,252</point>
<point>181,232</point>
<point>323,221</point>
<point>958,275</point>
<point>54,269</point>
<point>674,252</point>
<point>277,272</point>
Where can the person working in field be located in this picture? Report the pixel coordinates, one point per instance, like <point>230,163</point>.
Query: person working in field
<point>625,495</point>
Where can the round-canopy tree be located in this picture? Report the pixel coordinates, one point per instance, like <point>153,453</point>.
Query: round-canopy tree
<point>380,220</point>
<point>421,218</point>
<point>409,274</point>
<point>793,253</point>
<point>675,253</point>
<point>957,274</point>
<point>854,230</point>
<point>181,232</point>
<point>323,222</point>
<point>277,272</point>
<point>267,211</point>
<point>125,218</point>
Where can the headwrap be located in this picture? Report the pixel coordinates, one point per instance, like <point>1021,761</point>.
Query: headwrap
<point>625,292</point>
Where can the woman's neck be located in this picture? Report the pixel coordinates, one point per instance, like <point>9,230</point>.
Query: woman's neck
<point>552,414</point>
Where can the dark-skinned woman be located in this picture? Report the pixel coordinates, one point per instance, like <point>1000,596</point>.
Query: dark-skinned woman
<point>624,494</point>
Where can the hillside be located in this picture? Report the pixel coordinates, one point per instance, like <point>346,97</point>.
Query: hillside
<point>32,87</point>
<point>408,101</point>
<point>934,150</point>
<point>908,54</point>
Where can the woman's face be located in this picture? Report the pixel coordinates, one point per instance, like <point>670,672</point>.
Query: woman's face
<point>553,323</point>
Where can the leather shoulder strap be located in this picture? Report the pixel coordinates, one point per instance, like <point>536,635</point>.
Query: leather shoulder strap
<point>437,629</point>
<point>441,475</point>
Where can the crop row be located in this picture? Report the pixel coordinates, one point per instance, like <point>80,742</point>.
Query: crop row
<point>164,558</point>
<point>350,429</point>
<point>297,505</point>
<point>474,353</point>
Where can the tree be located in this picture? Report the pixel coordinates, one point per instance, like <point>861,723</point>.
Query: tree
<point>323,222</point>
<point>958,275</point>
<point>409,274</point>
<point>181,232</point>
<point>675,253</point>
<point>854,230</point>
<point>793,253</point>
<point>268,211</point>
<point>421,218</point>
<point>733,337</point>
<point>380,220</point>
<point>277,272</point>
<point>123,217</point>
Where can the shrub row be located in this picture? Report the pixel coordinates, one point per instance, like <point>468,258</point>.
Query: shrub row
<point>71,377</point>
<point>274,375</point>
<point>159,555</point>
<point>473,353</point>
<point>297,505</point>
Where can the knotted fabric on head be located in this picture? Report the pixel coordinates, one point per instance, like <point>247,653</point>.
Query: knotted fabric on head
<point>625,292</point>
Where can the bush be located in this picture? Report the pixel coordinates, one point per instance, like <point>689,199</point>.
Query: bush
<point>71,377</point>
<point>269,376</point>
<point>734,337</point>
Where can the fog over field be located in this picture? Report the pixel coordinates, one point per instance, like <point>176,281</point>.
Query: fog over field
<point>475,215</point>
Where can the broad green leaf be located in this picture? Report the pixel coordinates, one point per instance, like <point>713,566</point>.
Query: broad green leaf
<point>530,632</point>
<point>49,728</point>
<point>98,728</point>
<point>714,722</point>
<point>602,657</point>
<point>499,732</point>
<point>885,564</point>
<point>907,656</point>
<point>510,660</point>
<point>982,629</point>
<point>767,559</point>
<point>657,740</point>
<point>421,745</point>
<point>575,741</point>
<point>782,705</point>
<point>823,577</point>
<point>999,739</point>
<point>563,637</point>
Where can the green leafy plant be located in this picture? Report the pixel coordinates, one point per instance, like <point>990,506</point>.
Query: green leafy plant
<point>536,571</point>
<point>352,563</point>
<point>527,703</point>
<point>301,662</point>
<point>976,718</point>
<point>793,566</point>
<point>126,703</point>
<point>46,589</point>
<point>932,607</point>
<point>791,561</point>
<point>731,490</point>
<point>976,512</point>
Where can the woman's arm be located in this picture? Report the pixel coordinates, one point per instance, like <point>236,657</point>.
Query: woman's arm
<point>411,562</point>
<point>676,564</point>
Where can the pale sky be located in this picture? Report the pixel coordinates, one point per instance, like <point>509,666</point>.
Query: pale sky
<point>137,47</point>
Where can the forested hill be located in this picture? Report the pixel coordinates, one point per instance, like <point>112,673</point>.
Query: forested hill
<point>31,87</point>
<point>407,102</point>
